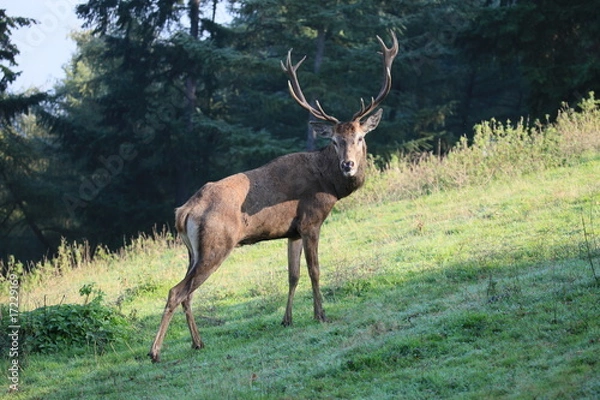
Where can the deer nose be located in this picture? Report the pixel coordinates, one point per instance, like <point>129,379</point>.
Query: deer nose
<point>347,166</point>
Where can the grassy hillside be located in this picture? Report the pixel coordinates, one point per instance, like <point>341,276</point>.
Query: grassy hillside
<point>485,289</point>
<point>480,292</point>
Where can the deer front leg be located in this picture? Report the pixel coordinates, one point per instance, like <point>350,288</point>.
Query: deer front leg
<point>311,250</point>
<point>294,252</point>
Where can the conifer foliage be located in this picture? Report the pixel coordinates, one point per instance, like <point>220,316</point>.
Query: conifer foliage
<point>162,96</point>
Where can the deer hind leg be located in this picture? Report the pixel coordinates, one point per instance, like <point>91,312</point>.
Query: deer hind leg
<point>177,295</point>
<point>189,316</point>
<point>294,253</point>
<point>205,258</point>
<point>187,302</point>
<point>311,250</point>
<point>182,294</point>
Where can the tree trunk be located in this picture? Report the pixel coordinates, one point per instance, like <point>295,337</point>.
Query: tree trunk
<point>20,204</point>
<point>214,10</point>
<point>183,173</point>
<point>468,99</point>
<point>321,35</point>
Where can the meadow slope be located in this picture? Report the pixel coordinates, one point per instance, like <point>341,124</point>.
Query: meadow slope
<point>489,291</point>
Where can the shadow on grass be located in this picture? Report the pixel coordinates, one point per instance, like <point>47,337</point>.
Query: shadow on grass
<point>471,328</point>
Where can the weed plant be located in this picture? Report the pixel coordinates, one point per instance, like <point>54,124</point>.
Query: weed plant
<point>69,327</point>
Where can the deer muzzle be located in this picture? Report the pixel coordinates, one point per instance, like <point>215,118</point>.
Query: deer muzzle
<point>348,168</point>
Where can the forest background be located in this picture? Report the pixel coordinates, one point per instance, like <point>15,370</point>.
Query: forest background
<point>159,98</point>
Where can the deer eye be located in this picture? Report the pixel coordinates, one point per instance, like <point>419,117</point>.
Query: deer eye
<point>360,139</point>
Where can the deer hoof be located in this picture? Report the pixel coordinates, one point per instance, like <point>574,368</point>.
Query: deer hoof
<point>154,357</point>
<point>197,346</point>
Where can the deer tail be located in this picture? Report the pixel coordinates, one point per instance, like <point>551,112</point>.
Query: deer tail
<point>188,234</point>
<point>181,216</point>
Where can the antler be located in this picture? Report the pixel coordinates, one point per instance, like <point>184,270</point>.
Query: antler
<point>388,59</point>
<point>296,91</point>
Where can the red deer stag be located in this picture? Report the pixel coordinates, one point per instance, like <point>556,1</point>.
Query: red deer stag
<point>289,197</point>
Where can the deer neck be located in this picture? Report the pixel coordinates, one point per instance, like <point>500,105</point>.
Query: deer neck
<point>340,185</point>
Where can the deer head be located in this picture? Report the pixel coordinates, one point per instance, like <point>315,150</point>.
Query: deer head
<point>346,137</point>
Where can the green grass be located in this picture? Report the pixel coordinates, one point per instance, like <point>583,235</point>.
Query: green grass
<point>471,276</point>
<point>481,292</point>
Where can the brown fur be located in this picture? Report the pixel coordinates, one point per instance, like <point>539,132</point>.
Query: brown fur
<point>289,197</point>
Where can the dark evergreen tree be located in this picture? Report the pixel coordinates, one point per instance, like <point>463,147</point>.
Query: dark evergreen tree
<point>428,103</point>
<point>339,40</point>
<point>30,220</point>
<point>143,114</point>
<point>161,98</point>
<point>553,44</point>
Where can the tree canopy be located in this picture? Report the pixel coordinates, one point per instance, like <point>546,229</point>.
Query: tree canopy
<point>160,97</point>
<point>23,159</point>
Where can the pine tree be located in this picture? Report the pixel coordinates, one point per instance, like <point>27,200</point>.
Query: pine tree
<point>144,114</point>
<point>28,215</point>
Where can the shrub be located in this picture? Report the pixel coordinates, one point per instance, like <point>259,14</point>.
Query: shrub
<point>52,329</point>
<point>579,130</point>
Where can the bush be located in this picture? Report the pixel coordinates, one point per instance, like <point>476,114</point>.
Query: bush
<point>52,329</point>
<point>579,130</point>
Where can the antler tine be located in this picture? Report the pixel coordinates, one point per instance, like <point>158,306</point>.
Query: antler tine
<point>296,91</point>
<point>388,58</point>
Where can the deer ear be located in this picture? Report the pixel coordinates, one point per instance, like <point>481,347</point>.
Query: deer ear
<point>372,122</point>
<point>322,130</point>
